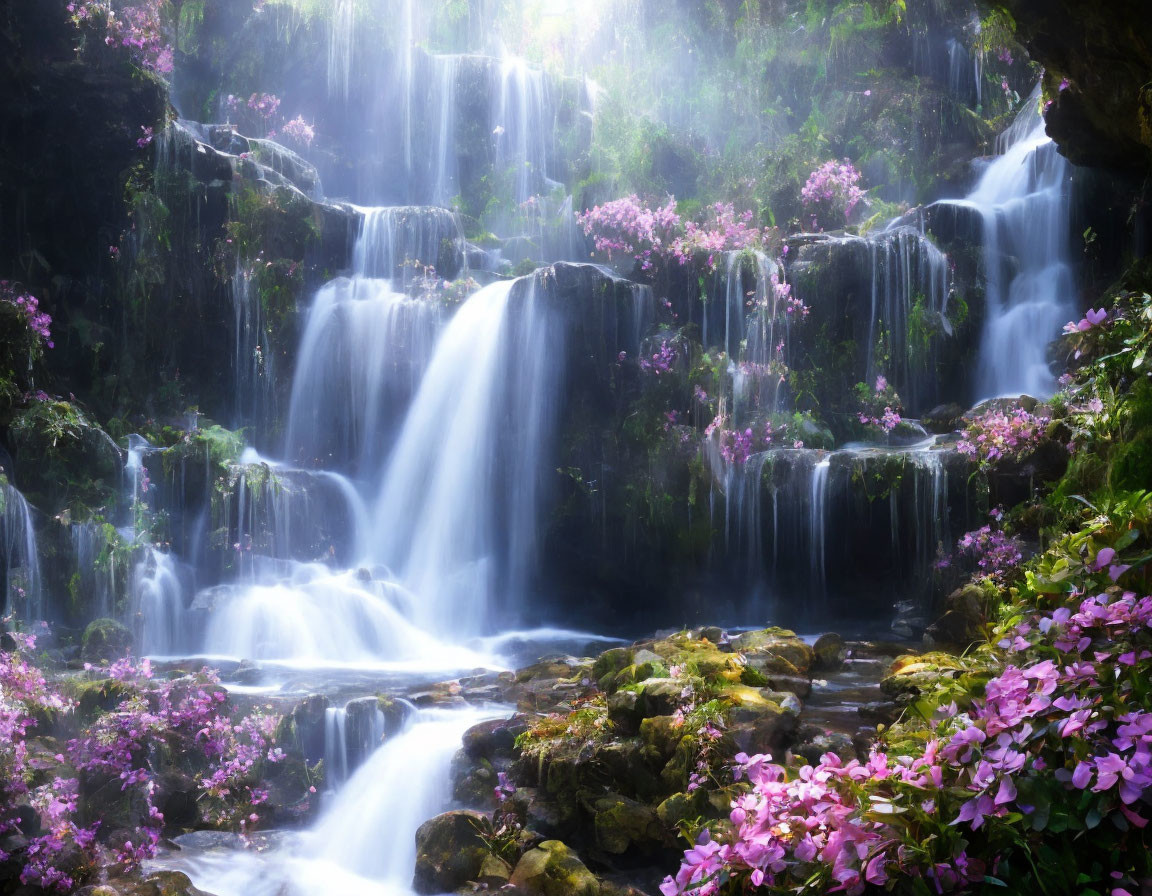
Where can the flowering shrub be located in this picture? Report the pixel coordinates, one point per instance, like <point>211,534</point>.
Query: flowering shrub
<point>832,192</point>
<point>1059,743</point>
<point>627,226</point>
<point>994,553</point>
<point>656,236</point>
<point>299,131</point>
<point>137,24</point>
<point>39,322</point>
<point>880,405</point>
<point>996,434</point>
<point>736,446</point>
<point>59,851</point>
<point>661,360</point>
<point>187,716</point>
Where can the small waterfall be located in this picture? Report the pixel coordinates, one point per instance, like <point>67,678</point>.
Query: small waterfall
<point>818,528</point>
<point>444,176</point>
<point>273,512</point>
<point>94,575</point>
<point>453,520</point>
<point>365,842</point>
<point>341,47</point>
<point>158,595</point>
<point>253,359</point>
<point>522,122</point>
<point>964,73</point>
<point>351,734</point>
<point>909,291</point>
<point>23,588</point>
<point>366,343</point>
<point>1023,198</point>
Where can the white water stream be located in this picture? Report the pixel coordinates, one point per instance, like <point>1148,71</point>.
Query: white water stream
<point>364,842</point>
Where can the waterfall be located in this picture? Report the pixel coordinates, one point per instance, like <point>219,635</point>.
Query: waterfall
<point>93,575</point>
<point>365,842</point>
<point>522,123</point>
<point>454,520</point>
<point>1023,199</point>
<point>23,591</point>
<point>351,734</point>
<point>158,598</point>
<point>818,527</point>
<point>366,342</point>
<point>341,46</point>
<point>909,299</point>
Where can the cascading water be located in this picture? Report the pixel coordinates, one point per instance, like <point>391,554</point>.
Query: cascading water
<point>1023,200</point>
<point>453,520</point>
<point>23,593</point>
<point>366,342</point>
<point>364,844</point>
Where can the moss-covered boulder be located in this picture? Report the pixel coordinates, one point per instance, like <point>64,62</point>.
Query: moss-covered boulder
<point>105,641</point>
<point>449,851</point>
<point>622,825</point>
<point>63,459</point>
<point>775,650</point>
<point>829,652</point>
<point>911,675</point>
<point>552,869</point>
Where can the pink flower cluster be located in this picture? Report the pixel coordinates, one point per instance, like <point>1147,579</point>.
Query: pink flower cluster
<point>658,235</point>
<point>1063,735</point>
<point>630,227</point>
<point>1093,318</point>
<point>996,434</point>
<point>39,322</point>
<point>661,360</point>
<point>184,716</point>
<point>139,25</point>
<point>832,191</point>
<point>299,131</point>
<point>738,445</point>
<point>995,553</point>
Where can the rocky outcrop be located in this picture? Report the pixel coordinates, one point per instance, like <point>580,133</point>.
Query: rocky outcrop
<point>1103,116</point>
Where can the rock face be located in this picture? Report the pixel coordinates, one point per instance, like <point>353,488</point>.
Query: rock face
<point>1104,116</point>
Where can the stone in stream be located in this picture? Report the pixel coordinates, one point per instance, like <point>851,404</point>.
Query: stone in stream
<point>449,851</point>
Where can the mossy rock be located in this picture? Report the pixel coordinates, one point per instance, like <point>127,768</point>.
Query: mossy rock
<point>63,458</point>
<point>96,697</point>
<point>682,807</point>
<point>449,851</point>
<point>105,640</point>
<point>828,652</point>
<point>162,883</point>
<point>910,676</point>
<point>622,824</point>
<point>611,662</point>
<point>552,869</point>
<point>775,650</point>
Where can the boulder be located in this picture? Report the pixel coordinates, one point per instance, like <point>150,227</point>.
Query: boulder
<point>829,652</point>
<point>963,620</point>
<point>105,640</point>
<point>552,869</point>
<point>449,852</point>
<point>775,650</point>
<point>943,419</point>
<point>622,824</point>
<point>493,739</point>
